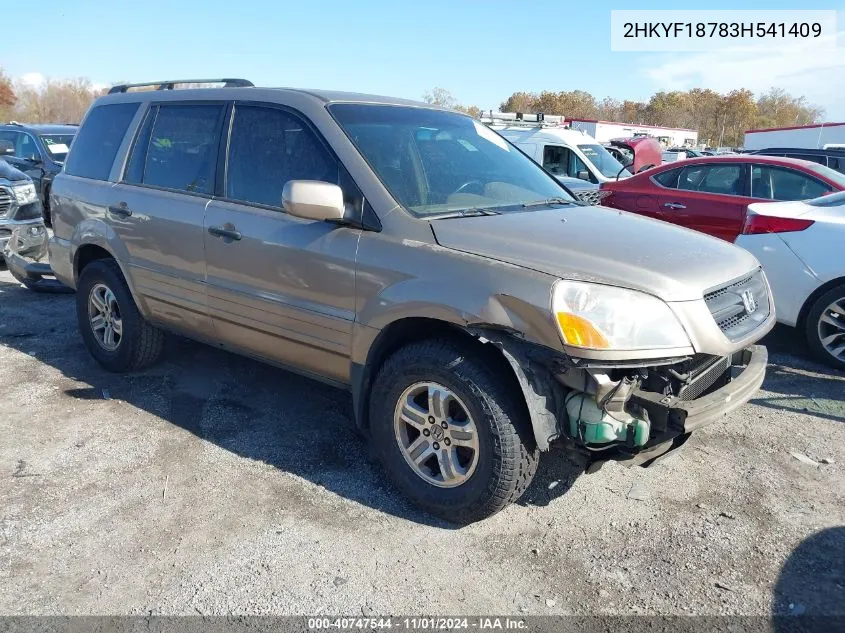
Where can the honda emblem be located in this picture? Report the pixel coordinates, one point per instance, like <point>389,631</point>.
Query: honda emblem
<point>749,301</point>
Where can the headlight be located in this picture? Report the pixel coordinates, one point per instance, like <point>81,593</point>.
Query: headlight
<point>607,318</point>
<point>25,194</point>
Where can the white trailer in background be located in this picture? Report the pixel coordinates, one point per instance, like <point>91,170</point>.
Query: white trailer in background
<point>605,131</point>
<point>816,136</point>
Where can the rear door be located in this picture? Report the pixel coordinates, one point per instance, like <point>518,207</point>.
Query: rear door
<point>158,208</point>
<point>280,287</point>
<point>708,197</point>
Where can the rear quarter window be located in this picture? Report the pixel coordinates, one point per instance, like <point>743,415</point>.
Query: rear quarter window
<point>99,138</point>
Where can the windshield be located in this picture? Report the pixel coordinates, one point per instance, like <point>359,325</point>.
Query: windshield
<point>832,200</point>
<point>827,172</point>
<point>58,145</point>
<point>436,162</point>
<point>604,161</point>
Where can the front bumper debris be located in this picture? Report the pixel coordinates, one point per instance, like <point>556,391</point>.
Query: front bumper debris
<point>25,252</point>
<point>710,389</point>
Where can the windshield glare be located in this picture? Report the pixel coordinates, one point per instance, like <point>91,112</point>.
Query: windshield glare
<point>604,161</point>
<point>437,162</point>
<point>58,145</point>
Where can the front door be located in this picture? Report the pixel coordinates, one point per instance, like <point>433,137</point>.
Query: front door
<point>710,198</point>
<point>279,287</point>
<point>27,157</point>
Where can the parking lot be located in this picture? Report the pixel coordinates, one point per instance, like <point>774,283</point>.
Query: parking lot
<point>215,484</point>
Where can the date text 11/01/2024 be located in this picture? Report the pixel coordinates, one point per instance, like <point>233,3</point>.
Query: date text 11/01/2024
<point>418,623</point>
<point>762,30</point>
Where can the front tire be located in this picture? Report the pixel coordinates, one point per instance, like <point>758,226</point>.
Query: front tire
<point>825,327</point>
<point>115,333</point>
<point>451,432</point>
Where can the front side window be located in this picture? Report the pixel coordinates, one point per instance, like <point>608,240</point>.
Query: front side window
<point>779,183</point>
<point>721,179</point>
<point>97,142</point>
<point>607,165</point>
<point>436,162</point>
<point>182,148</point>
<point>27,147</point>
<point>269,147</point>
<point>556,159</point>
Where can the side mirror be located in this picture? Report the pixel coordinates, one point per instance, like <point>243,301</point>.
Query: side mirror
<point>313,200</point>
<point>35,160</point>
<point>7,148</point>
<point>583,175</point>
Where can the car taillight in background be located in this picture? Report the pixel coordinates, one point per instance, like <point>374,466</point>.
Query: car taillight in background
<point>756,224</point>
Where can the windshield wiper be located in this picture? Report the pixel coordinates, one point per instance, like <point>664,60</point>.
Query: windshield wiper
<point>547,202</point>
<point>465,213</point>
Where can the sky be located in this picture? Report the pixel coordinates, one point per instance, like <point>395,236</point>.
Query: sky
<point>481,51</point>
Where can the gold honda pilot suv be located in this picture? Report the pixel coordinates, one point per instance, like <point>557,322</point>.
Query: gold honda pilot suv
<point>476,311</point>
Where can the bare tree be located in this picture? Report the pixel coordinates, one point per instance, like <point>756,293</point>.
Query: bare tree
<point>55,101</point>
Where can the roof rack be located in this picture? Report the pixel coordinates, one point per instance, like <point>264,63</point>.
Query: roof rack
<point>523,119</point>
<point>169,85</point>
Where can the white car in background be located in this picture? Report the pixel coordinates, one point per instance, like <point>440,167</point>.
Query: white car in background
<point>802,248</point>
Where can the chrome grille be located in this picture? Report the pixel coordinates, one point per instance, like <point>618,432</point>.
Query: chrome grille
<point>591,196</point>
<point>5,201</point>
<point>740,306</point>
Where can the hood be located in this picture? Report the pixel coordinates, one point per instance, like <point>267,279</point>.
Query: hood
<point>7,172</point>
<point>602,245</point>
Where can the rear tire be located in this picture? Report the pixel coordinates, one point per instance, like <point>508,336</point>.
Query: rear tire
<point>825,327</point>
<point>467,398</point>
<point>103,304</point>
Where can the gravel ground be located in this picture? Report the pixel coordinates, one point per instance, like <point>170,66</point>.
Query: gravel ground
<point>214,484</point>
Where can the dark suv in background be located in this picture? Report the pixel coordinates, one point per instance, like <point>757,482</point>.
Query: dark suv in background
<point>833,158</point>
<point>39,152</point>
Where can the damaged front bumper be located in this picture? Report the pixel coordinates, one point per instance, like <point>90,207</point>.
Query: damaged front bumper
<point>675,418</point>
<point>632,413</point>
<point>714,389</point>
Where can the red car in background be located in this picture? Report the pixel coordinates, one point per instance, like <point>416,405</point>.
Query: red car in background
<point>711,194</point>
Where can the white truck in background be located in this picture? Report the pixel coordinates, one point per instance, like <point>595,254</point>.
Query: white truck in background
<point>560,150</point>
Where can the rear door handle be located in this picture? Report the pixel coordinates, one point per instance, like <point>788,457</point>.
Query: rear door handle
<point>226,232</point>
<point>675,205</point>
<point>122,209</point>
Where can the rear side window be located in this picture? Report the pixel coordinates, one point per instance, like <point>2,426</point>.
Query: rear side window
<point>668,178</point>
<point>269,147</point>
<point>779,183</point>
<point>181,148</point>
<point>97,142</point>
<point>176,148</point>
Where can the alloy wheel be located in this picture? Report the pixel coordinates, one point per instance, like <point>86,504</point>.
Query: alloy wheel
<point>832,329</point>
<point>104,317</point>
<point>436,434</point>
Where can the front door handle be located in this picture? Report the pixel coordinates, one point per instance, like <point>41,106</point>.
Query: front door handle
<point>226,232</point>
<point>122,209</point>
<point>675,205</point>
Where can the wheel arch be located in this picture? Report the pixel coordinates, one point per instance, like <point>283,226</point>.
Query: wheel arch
<point>89,252</point>
<point>801,323</point>
<point>541,395</point>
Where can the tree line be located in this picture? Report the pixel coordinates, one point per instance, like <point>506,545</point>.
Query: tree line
<point>54,101</point>
<point>721,119</point>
